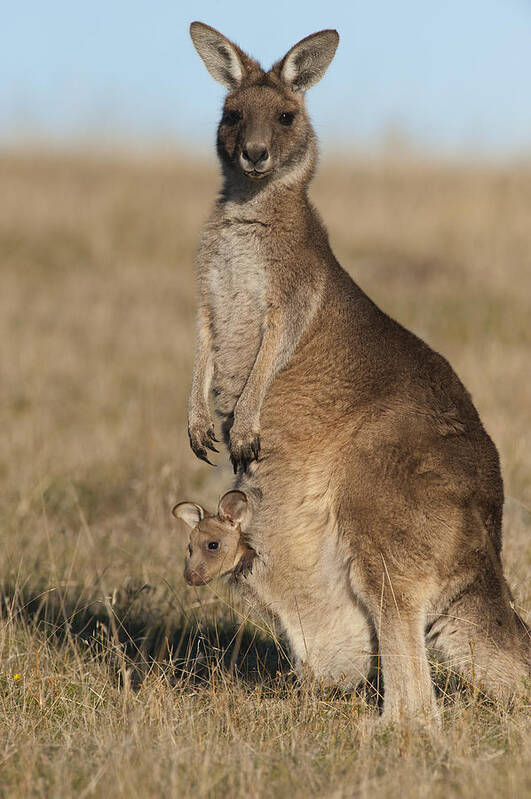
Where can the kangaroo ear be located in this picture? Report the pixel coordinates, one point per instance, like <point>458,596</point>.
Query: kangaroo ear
<point>233,507</point>
<point>223,59</point>
<point>189,512</point>
<point>306,63</point>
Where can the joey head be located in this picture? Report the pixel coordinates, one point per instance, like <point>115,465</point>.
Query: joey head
<point>216,546</point>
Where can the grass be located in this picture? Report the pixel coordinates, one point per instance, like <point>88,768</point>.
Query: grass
<point>116,678</point>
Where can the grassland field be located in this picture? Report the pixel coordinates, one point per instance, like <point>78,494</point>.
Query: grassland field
<point>118,680</point>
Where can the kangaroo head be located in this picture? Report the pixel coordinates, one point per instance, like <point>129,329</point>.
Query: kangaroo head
<point>264,129</point>
<point>214,546</point>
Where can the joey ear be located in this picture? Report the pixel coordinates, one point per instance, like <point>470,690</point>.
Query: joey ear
<point>233,507</point>
<point>189,512</point>
<point>223,59</point>
<point>306,63</point>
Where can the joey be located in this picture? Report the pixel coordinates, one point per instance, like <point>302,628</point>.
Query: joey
<point>216,546</point>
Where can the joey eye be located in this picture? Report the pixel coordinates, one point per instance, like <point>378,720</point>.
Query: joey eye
<point>231,117</point>
<point>286,118</point>
<point>213,545</point>
<point>189,549</point>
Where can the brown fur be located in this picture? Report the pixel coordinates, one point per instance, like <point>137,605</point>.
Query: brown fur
<point>376,493</point>
<point>216,546</point>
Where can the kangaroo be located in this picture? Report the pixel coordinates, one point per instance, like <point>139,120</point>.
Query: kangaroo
<point>216,547</point>
<point>374,490</point>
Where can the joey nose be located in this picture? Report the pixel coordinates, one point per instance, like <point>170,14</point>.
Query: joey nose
<point>193,577</point>
<point>255,153</point>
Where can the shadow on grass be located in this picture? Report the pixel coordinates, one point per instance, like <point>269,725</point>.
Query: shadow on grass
<point>142,628</point>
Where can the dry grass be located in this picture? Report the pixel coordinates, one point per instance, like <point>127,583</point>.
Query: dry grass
<point>136,687</point>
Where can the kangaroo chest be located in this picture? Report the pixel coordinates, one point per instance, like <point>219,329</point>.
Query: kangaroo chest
<point>236,295</point>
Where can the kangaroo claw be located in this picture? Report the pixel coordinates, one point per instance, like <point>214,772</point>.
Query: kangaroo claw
<point>242,453</point>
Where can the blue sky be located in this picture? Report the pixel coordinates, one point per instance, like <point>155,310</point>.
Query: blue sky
<point>453,75</point>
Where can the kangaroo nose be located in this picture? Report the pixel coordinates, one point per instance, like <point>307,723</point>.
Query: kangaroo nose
<point>255,153</point>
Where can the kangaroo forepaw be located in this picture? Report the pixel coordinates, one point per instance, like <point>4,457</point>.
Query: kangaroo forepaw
<point>243,450</point>
<point>201,437</point>
<point>244,566</point>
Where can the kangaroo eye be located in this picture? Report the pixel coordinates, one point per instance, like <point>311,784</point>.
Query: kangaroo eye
<point>231,117</point>
<point>213,545</point>
<point>286,118</point>
<point>189,549</point>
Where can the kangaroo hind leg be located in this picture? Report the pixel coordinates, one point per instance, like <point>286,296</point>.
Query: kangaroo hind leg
<point>484,640</point>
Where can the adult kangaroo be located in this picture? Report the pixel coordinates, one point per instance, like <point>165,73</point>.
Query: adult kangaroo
<point>375,491</point>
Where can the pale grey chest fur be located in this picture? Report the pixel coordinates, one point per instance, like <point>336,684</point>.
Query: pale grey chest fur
<point>236,295</point>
